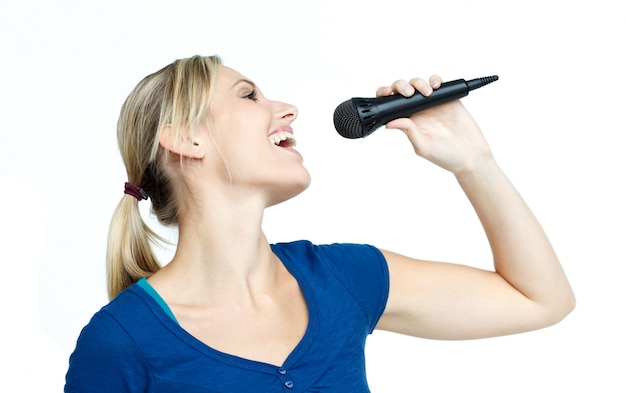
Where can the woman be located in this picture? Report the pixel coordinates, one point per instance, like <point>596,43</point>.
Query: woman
<point>232,313</point>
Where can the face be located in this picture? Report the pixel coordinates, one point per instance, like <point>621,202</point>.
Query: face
<point>254,140</point>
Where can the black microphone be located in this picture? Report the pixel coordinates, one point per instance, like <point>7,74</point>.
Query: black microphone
<point>358,117</point>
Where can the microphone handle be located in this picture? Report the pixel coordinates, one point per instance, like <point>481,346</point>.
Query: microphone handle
<point>397,106</point>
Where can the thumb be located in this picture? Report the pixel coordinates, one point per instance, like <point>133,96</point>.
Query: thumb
<point>417,139</point>
<point>403,124</point>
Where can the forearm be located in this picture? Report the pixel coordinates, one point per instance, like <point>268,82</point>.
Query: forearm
<point>529,289</point>
<point>522,253</point>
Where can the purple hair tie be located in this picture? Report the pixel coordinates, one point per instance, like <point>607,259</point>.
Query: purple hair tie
<point>137,192</point>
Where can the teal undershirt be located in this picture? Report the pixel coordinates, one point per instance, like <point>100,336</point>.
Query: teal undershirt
<point>145,285</point>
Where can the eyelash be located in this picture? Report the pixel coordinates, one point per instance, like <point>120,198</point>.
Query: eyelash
<point>252,96</point>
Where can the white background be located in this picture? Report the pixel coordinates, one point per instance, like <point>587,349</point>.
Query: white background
<point>555,121</point>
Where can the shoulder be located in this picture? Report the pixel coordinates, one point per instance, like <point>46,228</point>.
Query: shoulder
<point>340,259</point>
<point>335,252</point>
<point>106,352</point>
<point>109,327</point>
<point>359,271</point>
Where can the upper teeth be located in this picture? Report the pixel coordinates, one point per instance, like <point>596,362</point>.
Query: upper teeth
<point>280,136</point>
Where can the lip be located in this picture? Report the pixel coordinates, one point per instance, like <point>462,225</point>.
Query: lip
<point>281,129</point>
<point>289,130</point>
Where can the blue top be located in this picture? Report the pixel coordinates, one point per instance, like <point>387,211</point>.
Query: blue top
<point>133,345</point>
<point>145,285</point>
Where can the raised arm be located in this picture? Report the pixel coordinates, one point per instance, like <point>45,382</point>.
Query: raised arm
<point>526,290</point>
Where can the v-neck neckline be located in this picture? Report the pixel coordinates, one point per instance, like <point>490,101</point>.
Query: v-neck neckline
<point>300,348</point>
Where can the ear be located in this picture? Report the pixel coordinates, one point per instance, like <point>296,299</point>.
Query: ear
<point>179,144</point>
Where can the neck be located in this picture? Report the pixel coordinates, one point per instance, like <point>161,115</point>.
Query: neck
<point>222,253</point>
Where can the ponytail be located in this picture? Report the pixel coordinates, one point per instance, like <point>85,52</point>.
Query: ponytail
<point>178,95</point>
<point>129,253</point>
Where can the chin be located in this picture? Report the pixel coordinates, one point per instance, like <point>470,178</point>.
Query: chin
<point>291,190</point>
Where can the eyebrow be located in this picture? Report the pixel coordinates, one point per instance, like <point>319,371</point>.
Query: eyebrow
<point>243,80</point>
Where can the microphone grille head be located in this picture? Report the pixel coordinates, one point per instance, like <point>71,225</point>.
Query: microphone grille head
<point>347,121</point>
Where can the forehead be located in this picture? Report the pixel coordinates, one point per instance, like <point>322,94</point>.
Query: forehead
<point>228,77</point>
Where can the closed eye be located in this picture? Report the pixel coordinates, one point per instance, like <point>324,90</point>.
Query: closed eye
<point>252,95</point>
<point>249,92</point>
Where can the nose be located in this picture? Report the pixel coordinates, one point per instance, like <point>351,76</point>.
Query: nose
<point>285,111</point>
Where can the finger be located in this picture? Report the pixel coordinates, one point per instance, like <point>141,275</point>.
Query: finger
<point>402,124</point>
<point>435,81</point>
<point>403,87</point>
<point>422,86</point>
<point>384,91</point>
<point>408,127</point>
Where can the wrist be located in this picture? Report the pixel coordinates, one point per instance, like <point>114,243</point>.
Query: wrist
<point>480,167</point>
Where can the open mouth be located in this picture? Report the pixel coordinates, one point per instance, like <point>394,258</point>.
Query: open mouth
<point>283,139</point>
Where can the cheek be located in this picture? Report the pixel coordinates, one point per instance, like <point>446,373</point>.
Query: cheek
<point>245,157</point>
<point>236,135</point>
<point>241,144</point>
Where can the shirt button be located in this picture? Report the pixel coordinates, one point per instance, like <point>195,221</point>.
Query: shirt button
<point>282,371</point>
<point>289,384</point>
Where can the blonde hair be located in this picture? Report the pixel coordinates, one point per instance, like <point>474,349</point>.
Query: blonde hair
<point>177,96</point>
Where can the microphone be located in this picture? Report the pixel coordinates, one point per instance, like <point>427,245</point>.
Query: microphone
<point>358,117</point>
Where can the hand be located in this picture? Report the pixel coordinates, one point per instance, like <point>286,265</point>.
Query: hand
<point>446,135</point>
